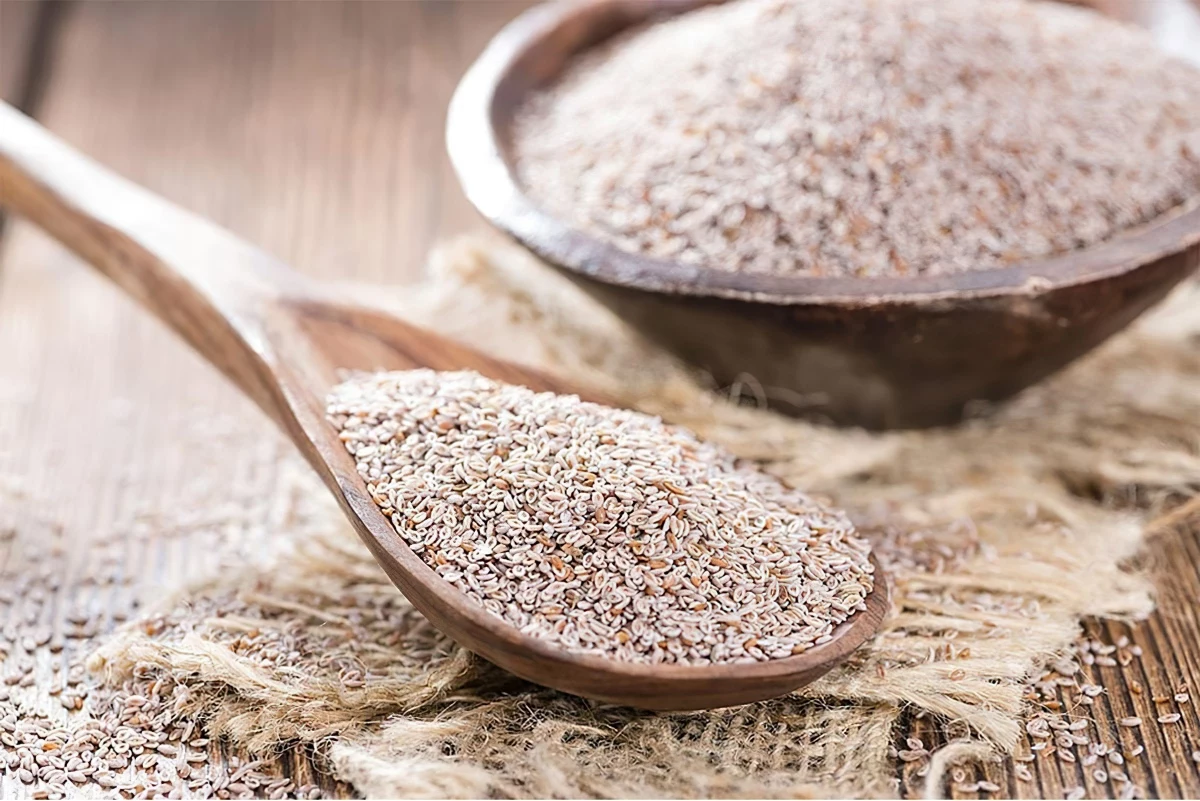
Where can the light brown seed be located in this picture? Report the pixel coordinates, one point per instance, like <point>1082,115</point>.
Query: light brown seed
<point>646,143</point>
<point>388,420</point>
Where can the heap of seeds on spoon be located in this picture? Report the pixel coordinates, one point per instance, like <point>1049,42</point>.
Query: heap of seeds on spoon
<point>865,138</point>
<point>604,531</point>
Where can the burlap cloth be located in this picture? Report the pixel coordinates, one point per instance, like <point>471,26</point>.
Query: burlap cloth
<point>1000,535</point>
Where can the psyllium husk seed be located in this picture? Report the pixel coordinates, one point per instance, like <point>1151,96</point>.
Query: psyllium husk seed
<point>865,137</point>
<point>603,530</point>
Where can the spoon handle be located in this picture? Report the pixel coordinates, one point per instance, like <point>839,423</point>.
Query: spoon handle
<point>210,287</point>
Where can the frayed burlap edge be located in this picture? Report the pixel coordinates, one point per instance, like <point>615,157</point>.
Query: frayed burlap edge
<point>1000,535</point>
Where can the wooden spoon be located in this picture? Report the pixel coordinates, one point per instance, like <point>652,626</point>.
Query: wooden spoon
<point>282,339</point>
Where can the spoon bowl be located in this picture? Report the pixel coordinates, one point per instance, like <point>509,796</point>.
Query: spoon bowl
<point>284,340</point>
<point>879,353</point>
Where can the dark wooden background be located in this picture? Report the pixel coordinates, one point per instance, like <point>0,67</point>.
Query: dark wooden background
<point>315,130</point>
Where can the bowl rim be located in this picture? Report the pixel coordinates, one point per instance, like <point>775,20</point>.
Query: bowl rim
<point>488,178</point>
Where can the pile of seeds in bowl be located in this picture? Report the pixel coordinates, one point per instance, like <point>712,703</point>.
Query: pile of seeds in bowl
<point>605,531</point>
<point>865,138</point>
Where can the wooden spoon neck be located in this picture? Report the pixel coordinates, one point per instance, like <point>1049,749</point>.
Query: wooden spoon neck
<point>217,292</point>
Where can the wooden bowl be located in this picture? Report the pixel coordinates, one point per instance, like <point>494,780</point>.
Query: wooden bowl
<point>879,353</point>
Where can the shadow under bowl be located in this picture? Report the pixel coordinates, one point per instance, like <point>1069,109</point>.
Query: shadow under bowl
<point>878,353</point>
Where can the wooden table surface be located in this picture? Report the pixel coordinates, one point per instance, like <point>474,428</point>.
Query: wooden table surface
<point>315,130</point>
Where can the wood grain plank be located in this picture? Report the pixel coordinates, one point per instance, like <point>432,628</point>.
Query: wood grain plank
<point>27,32</point>
<point>1145,688</point>
<point>18,26</point>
